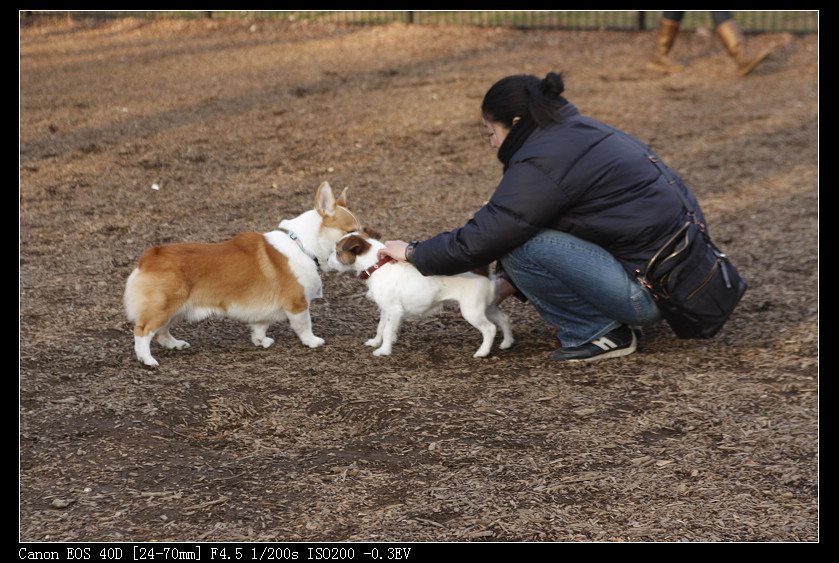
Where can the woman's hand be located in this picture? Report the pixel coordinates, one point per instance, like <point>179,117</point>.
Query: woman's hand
<point>395,249</point>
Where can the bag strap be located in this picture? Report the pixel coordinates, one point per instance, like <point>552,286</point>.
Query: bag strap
<point>669,175</point>
<point>671,179</point>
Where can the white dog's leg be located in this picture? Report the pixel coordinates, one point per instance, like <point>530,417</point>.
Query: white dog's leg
<point>501,319</point>
<point>301,324</point>
<point>258,335</point>
<point>142,347</point>
<point>476,317</point>
<point>389,330</point>
<point>376,341</point>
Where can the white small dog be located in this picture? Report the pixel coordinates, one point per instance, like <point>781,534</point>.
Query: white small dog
<point>400,290</point>
<point>255,278</point>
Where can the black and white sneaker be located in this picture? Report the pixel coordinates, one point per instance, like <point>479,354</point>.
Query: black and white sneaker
<point>621,341</point>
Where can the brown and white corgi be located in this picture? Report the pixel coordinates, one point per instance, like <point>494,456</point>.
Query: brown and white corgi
<point>400,291</point>
<point>255,278</point>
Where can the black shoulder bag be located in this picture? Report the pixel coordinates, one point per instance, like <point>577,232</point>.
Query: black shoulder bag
<point>695,285</point>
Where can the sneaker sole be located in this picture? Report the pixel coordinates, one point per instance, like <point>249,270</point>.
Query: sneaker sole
<point>616,353</point>
<point>606,355</point>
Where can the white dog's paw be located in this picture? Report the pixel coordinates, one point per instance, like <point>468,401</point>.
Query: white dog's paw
<point>383,351</point>
<point>149,361</point>
<point>265,341</point>
<point>167,341</point>
<point>484,350</point>
<point>506,343</point>
<point>374,342</point>
<point>313,341</point>
<point>142,349</point>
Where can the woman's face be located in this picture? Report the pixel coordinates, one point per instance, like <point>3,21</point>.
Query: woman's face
<point>497,132</point>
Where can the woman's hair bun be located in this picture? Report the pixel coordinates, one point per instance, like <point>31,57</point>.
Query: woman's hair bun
<point>552,86</point>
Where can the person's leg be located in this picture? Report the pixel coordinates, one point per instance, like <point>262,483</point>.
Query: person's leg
<point>720,16</point>
<point>578,287</point>
<point>729,33</point>
<point>668,28</point>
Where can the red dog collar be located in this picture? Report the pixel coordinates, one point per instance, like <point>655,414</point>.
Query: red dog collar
<point>369,271</point>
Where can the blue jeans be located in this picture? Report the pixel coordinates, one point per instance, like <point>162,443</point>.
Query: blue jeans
<point>578,287</point>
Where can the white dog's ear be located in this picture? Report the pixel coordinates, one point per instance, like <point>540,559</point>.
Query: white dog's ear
<point>325,199</point>
<point>357,245</point>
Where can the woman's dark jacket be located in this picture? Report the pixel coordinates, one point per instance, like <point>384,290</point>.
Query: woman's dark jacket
<point>579,176</point>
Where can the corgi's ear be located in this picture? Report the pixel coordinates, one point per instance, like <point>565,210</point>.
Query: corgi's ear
<point>342,199</point>
<point>325,199</point>
<point>372,233</point>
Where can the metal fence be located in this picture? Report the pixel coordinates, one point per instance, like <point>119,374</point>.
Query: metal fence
<point>749,21</point>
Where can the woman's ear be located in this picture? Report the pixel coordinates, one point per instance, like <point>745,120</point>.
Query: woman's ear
<point>515,120</point>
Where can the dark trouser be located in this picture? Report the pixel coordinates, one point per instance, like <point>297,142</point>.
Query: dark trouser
<point>718,17</point>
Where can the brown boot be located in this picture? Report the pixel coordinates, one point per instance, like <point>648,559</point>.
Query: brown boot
<point>732,38</point>
<point>667,31</point>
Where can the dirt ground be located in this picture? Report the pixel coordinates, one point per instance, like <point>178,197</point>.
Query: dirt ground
<point>135,133</point>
